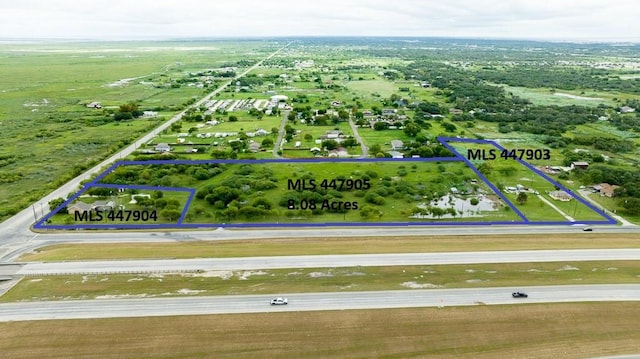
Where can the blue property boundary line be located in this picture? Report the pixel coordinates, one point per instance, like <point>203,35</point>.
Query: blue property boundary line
<point>444,141</point>
<point>609,220</point>
<point>41,224</point>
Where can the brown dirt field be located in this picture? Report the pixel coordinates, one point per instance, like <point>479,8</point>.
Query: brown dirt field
<point>577,330</point>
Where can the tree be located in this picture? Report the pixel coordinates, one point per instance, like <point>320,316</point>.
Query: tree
<point>237,145</point>
<point>449,127</point>
<point>375,149</point>
<point>522,198</point>
<point>54,203</point>
<point>350,142</point>
<point>176,127</point>
<point>262,203</point>
<point>233,118</point>
<point>267,142</point>
<point>343,115</point>
<point>411,129</point>
<point>379,126</point>
<point>330,144</point>
<point>485,168</point>
<point>170,214</point>
<point>631,205</point>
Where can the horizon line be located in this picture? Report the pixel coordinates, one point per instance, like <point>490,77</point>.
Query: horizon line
<point>32,39</point>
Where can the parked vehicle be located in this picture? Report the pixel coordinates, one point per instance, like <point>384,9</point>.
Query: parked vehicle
<point>519,295</point>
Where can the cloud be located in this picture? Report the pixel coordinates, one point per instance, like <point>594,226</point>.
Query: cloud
<point>567,19</point>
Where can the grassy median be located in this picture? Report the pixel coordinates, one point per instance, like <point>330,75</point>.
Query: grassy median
<point>347,245</point>
<point>293,280</point>
<point>576,330</point>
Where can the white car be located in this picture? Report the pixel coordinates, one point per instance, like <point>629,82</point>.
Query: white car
<point>279,301</point>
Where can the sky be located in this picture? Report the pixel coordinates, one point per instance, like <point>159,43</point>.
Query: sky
<point>559,20</point>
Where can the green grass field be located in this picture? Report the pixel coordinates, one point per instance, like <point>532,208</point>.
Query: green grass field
<point>366,87</point>
<point>545,97</point>
<point>320,246</point>
<point>393,191</point>
<point>49,134</point>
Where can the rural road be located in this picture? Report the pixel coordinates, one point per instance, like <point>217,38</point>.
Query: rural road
<point>326,261</point>
<point>16,229</point>
<point>281,131</point>
<point>356,135</point>
<point>113,308</point>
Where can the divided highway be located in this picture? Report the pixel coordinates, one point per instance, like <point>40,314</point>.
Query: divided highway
<point>111,308</point>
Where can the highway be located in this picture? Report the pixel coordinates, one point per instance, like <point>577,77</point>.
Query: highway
<point>112,308</point>
<point>10,252</point>
<point>324,261</point>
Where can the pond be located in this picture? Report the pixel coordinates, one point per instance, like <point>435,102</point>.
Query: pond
<point>462,205</point>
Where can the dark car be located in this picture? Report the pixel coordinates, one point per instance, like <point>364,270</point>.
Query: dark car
<point>587,229</point>
<point>519,295</point>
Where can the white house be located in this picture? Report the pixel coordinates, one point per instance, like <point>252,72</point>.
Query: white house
<point>397,145</point>
<point>162,147</point>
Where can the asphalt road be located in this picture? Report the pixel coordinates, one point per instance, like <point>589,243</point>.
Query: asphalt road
<point>10,251</point>
<point>325,261</point>
<point>112,308</point>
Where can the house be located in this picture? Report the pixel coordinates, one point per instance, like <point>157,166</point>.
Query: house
<point>315,150</point>
<point>149,114</point>
<point>298,144</point>
<point>339,152</point>
<point>162,147</point>
<point>455,111</point>
<point>105,206</point>
<point>397,145</point>
<point>605,189</point>
<point>279,98</point>
<point>389,112</point>
<point>396,154</point>
<point>580,164</point>
<point>254,147</point>
<point>261,132</point>
<point>454,190</point>
<point>336,103</point>
<point>95,105</point>
<point>425,84</point>
<point>331,135</point>
<point>627,109</point>
<point>367,113</point>
<point>81,207</point>
<point>560,196</point>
